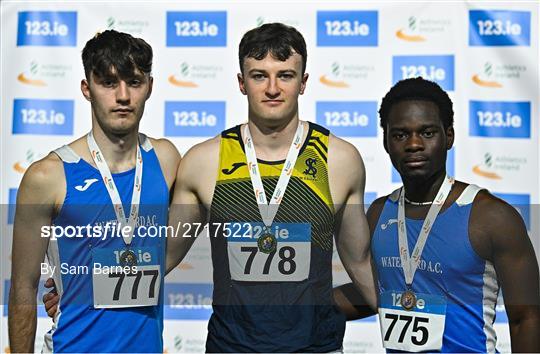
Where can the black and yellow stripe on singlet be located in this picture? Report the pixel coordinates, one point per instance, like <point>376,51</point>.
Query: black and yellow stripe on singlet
<point>274,316</point>
<point>307,198</point>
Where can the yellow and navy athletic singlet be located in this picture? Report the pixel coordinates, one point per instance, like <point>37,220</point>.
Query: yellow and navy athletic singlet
<point>79,326</point>
<point>280,301</point>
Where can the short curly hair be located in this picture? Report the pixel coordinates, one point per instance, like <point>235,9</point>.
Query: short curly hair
<point>278,39</point>
<point>111,49</point>
<point>418,89</point>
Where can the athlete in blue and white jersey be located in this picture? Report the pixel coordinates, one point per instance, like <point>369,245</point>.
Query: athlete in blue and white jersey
<point>442,249</point>
<point>114,176</point>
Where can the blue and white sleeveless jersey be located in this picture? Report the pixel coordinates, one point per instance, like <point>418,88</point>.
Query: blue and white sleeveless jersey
<point>78,325</point>
<point>449,267</point>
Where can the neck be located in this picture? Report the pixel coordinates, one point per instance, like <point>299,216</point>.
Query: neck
<point>273,142</point>
<point>119,151</point>
<point>423,190</point>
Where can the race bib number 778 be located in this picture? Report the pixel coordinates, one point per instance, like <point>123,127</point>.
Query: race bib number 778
<point>290,261</point>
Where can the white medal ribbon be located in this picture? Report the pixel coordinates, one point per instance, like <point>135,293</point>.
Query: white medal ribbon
<point>410,264</point>
<point>105,172</point>
<point>269,210</point>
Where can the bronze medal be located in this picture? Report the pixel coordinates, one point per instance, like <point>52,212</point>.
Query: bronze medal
<point>128,259</point>
<point>267,243</point>
<point>408,300</point>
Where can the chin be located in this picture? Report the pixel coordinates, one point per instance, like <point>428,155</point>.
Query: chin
<point>417,174</point>
<point>122,130</point>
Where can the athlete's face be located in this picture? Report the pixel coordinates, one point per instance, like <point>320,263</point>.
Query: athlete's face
<point>272,87</point>
<point>416,139</point>
<point>117,104</point>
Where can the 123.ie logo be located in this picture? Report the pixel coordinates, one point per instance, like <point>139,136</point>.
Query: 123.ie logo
<point>43,117</point>
<point>500,119</point>
<point>499,28</point>
<point>438,68</point>
<point>47,28</point>
<point>196,29</point>
<point>347,28</point>
<point>356,118</point>
<point>194,118</point>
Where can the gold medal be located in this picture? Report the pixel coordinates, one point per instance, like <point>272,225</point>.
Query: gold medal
<point>408,300</point>
<point>267,243</point>
<point>128,259</point>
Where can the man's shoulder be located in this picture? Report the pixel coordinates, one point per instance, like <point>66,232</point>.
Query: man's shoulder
<point>165,149</point>
<point>197,170</point>
<point>48,168</point>
<point>488,205</point>
<point>342,151</point>
<point>44,178</point>
<point>492,216</point>
<point>206,149</point>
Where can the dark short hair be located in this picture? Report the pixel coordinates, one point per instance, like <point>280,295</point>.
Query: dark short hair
<point>280,40</point>
<point>118,50</point>
<point>418,89</point>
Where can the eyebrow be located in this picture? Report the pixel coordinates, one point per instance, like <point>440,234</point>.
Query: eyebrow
<point>422,127</point>
<point>286,71</point>
<point>116,77</point>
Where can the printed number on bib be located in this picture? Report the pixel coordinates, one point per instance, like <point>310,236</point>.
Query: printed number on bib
<point>417,330</point>
<point>118,286</point>
<point>290,261</point>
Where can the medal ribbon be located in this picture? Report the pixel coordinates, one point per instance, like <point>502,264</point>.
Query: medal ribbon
<point>269,210</point>
<point>105,172</point>
<point>410,264</point>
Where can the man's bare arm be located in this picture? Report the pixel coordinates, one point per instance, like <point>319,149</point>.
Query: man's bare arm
<point>347,297</point>
<point>194,186</point>
<point>36,200</point>
<point>169,159</point>
<point>507,245</point>
<point>352,234</point>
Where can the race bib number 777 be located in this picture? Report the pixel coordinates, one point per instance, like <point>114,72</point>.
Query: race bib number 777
<point>117,286</point>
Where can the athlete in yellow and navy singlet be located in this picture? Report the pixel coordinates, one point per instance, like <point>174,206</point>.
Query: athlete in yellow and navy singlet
<point>279,301</point>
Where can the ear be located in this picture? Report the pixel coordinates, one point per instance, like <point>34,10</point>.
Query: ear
<point>385,142</point>
<point>85,89</point>
<point>303,83</point>
<point>449,138</point>
<point>241,83</point>
<point>150,86</point>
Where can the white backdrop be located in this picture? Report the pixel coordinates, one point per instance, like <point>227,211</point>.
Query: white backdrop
<point>484,54</point>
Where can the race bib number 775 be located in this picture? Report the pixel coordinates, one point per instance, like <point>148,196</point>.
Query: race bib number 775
<point>419,329</point>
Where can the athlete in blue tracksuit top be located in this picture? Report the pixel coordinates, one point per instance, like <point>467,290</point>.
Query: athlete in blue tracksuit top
<point>443,249</point>
<point>105,197</point>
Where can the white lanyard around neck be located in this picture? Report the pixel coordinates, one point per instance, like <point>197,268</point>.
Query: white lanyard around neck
<point>268,210</point>
<point>410,263</point>
<point>105,172</point>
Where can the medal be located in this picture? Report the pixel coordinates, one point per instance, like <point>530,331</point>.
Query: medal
<point>409,263</point>
<point>128,258</point>
<point>408,300</point>
<point>267,243</point>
